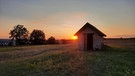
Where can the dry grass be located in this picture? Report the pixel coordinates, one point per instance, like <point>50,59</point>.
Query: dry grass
<point>9,53</point>
<point>61,61</point>
<point>121,43</point>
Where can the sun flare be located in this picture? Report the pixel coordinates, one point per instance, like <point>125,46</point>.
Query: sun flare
<point>74,37</point>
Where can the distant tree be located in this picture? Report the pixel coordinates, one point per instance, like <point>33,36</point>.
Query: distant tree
<point>51,40</point>
<point>20,34</point>
<point>37,37</point>
<point>64,41</point>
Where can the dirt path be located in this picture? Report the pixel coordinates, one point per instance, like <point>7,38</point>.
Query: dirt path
<point>28,52</point>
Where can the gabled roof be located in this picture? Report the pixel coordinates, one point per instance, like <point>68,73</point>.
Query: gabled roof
<point>88,25</point>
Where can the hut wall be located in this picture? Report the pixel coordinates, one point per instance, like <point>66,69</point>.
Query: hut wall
<point>97,40</point>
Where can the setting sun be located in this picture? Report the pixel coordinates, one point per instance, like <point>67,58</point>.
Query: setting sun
<point>74,37</point>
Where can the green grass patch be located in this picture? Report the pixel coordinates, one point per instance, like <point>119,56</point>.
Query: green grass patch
<point>112,62</point>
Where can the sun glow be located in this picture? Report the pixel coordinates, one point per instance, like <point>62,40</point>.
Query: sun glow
<point>74,37</point>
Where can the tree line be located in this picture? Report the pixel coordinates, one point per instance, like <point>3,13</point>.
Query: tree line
<point>21,36</point>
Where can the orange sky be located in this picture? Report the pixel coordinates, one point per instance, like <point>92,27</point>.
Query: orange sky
<point>63,18</point>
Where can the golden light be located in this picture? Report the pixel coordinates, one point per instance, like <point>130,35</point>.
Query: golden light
<point>74,37</point>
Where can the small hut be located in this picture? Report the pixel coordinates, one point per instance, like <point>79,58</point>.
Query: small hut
<point>89,37</point>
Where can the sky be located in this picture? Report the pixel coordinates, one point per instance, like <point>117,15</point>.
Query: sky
<point>63,18</point>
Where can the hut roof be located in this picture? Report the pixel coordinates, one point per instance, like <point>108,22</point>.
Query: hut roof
<point>88,25</point>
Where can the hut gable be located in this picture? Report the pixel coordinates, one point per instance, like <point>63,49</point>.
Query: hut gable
<point>89,27</point>
<point>89,37</point>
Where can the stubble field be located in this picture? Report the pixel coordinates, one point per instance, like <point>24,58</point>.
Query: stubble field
<point>117,58</point>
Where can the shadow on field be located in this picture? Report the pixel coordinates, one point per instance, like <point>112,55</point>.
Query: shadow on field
<point>107,48</point>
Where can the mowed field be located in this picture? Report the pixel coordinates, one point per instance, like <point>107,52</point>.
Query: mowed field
<point>117,58</point>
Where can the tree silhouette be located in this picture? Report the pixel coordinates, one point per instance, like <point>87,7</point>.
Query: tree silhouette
<point>51,40</point>
<point>20,34</point>
<point>37,37</point>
